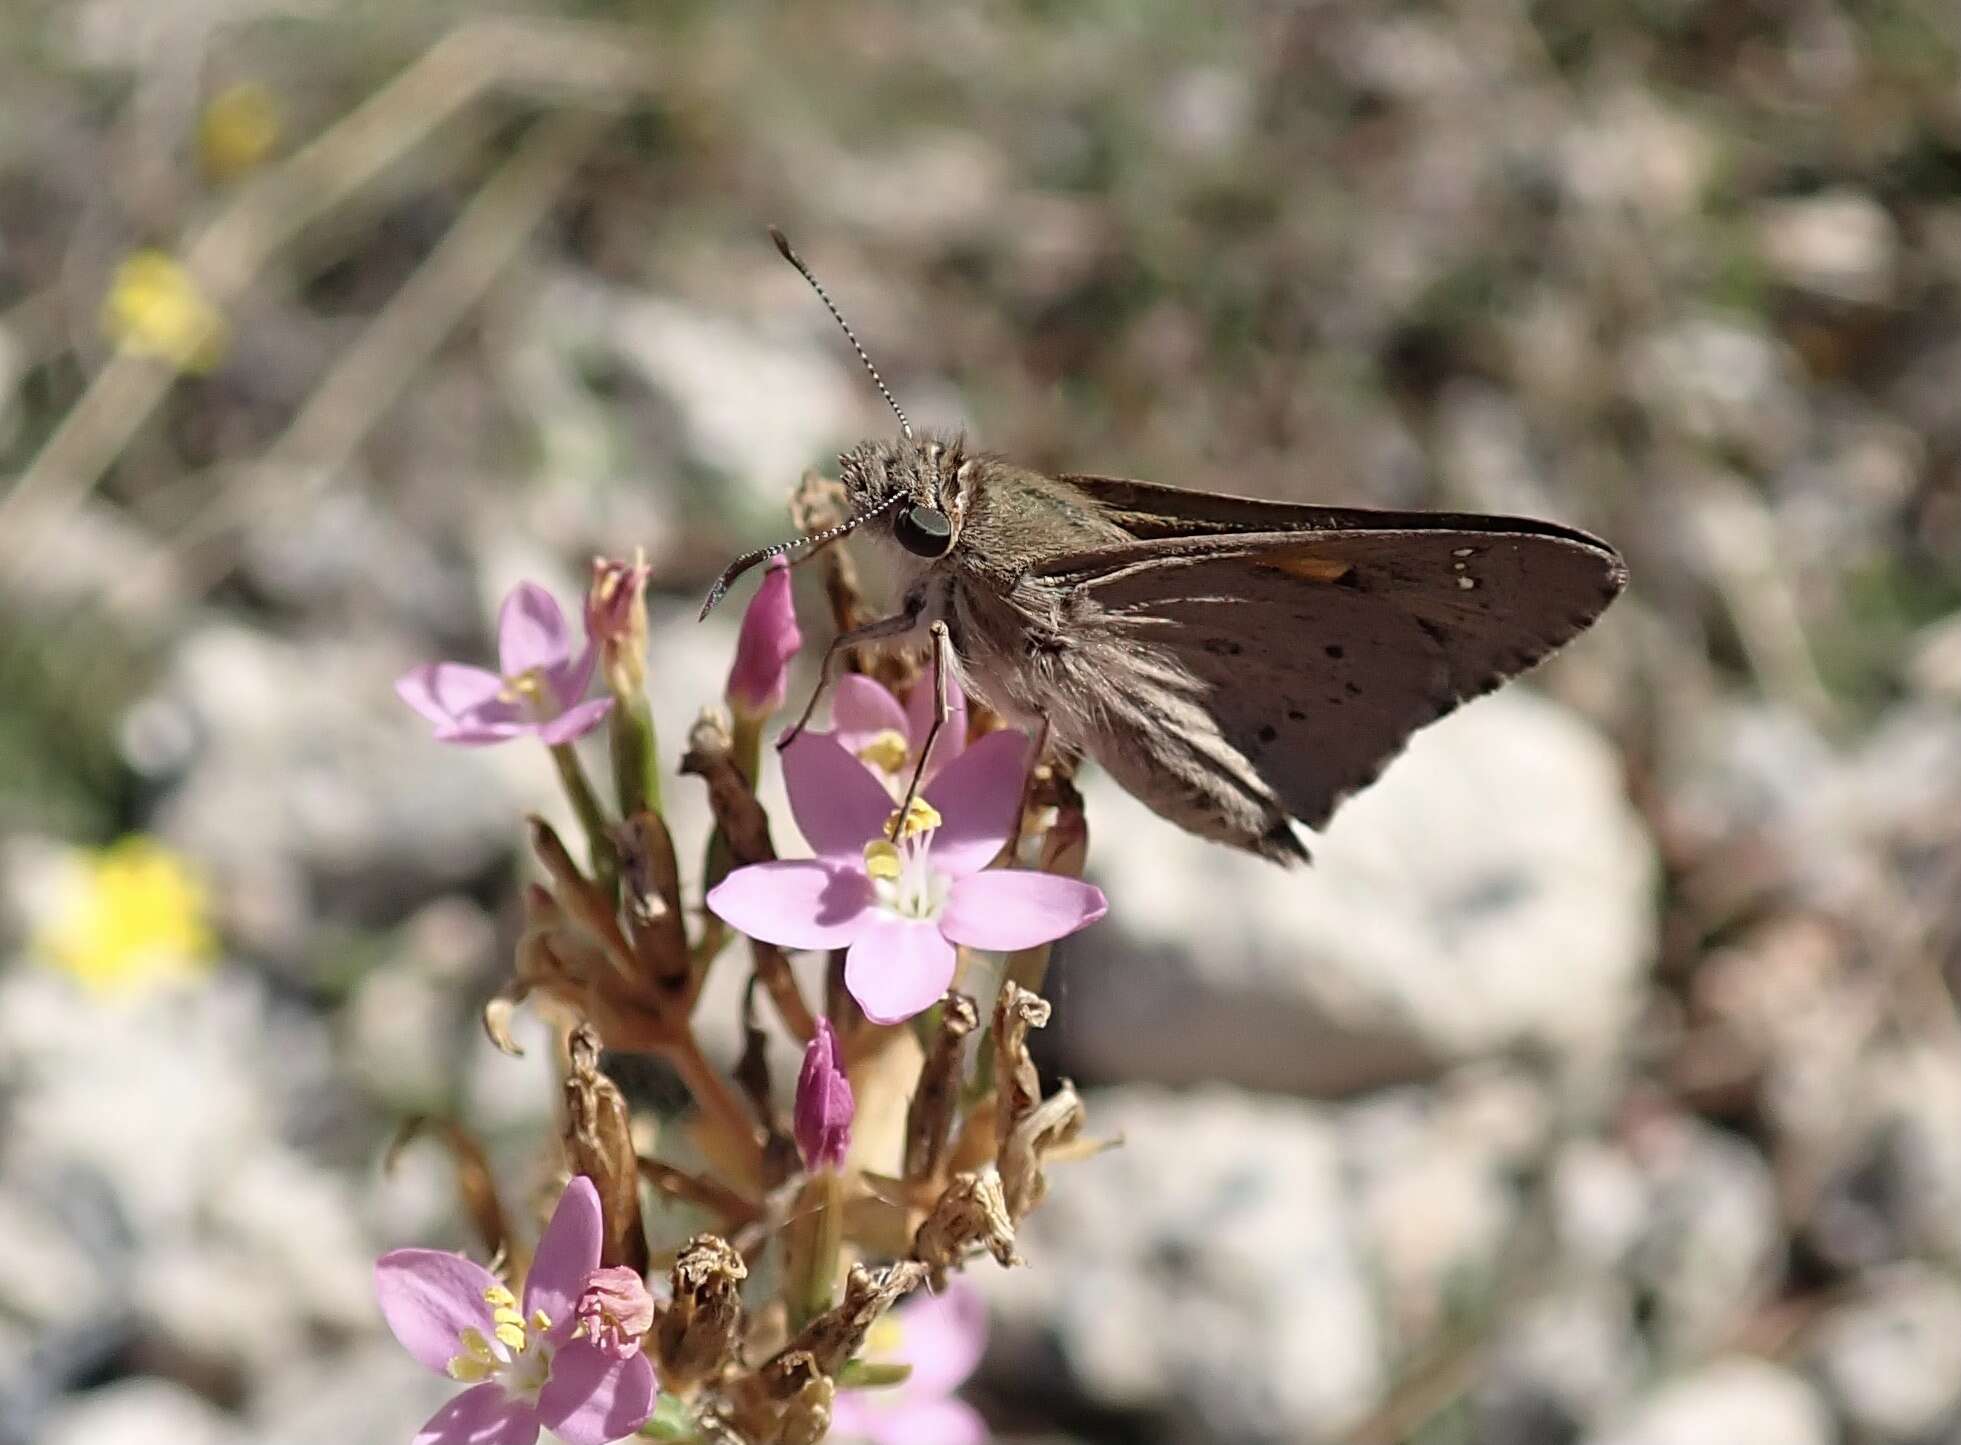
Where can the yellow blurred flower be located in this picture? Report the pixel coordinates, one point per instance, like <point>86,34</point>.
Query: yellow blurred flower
<point>132,914</point>
<point>154,308</point>
<point>238,129</point>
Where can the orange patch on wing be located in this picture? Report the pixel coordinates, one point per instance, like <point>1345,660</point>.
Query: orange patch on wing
<point>1308,566</point>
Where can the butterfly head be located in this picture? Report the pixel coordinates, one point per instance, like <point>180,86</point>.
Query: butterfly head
<point>914,491</point>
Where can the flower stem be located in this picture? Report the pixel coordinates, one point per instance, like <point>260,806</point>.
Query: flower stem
<point>720,1105</point>
<point>592,817</point>
<point>636,765</point>
<point>746,738</point>
<point>811,1246</point>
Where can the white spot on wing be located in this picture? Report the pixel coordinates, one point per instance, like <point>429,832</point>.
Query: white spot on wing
<point>1466,583</point>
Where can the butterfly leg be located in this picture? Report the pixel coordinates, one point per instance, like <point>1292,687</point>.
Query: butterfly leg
<point>897,624</point>
<point>942,710</point>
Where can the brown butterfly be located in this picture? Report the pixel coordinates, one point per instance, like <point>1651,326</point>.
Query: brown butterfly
<point>1235,664</point>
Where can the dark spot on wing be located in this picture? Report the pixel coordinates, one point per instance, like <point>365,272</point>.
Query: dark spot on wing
<point>1335,651</point>
<point>1268,733</point>
<point>1352,689</point>
<point>1294,714</point>
<point>1222,647</point>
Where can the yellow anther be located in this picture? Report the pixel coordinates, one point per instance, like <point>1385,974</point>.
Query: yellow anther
<point>467,1371</point>
<point>525,687</point>
<point>507,1315</point>
<point>540,1321</point>
<point>921,817</point>
<point>499,1298</point>
<point>512,1335</point>
<point>886,750</point>
<point>476,1346</point>
<point>882,859</point>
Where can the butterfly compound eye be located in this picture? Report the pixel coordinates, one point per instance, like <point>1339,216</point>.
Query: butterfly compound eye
<point>925,531</point>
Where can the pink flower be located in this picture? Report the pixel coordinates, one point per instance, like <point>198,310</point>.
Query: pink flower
<point>568,1360</point>
<point>616,602</point>
<point>768,640</point>
<point>871,725</point>
<point>821,1119</point>
<point>901,907</point>
<point>539,689</point>
<point>942,1337</point>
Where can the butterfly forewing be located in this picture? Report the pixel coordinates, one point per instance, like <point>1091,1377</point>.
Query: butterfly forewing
<point>1319,650</point>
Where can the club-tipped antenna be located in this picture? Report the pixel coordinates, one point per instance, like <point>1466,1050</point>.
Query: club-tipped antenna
<point>783,245</point>
<point>762,554</point>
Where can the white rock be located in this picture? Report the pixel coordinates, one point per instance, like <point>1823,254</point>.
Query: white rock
<point>1205,1273</point>
<point>1840,244</point>
<point>1711,1245</point>
<point>1722,381</point>
<point>1892,1362</point>
<point>1729,1402</point>
<point>141,1411</point>
<point>1560,1361</point>
<point>371,1392</point>
<point>1493,888</point>
<point>317,787</point>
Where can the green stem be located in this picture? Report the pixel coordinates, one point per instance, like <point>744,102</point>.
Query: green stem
<point>592,817</point>
<point>636,765</point>
<point>746,736</point>
<point>812,1245</point>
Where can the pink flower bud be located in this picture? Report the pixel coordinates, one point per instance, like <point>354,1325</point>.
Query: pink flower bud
<point>822,1117</point>
<point>616,621</point>
<point>768,641</point>
<point>615,1310</point>
<point>615,601</point>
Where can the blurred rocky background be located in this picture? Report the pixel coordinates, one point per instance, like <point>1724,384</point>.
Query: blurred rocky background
<point>1602,1082</point>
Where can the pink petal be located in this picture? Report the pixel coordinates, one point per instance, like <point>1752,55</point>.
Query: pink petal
<point>906,1422</point>
<point>1011,908</point>
<point>808,903</point>
<point>569,679</point>
<point>483,1415</point>
<point>445,691</point>
<point>861,709</point>
<point>482,734</point>
<point>567,1252</point>
<point>942,1337</point>
<point>898,967</point>
<point>920,709</point>
<point>429,1297</point>
<point>593,1397</point>
<point>575,722</point>
<point>763,649</point>
<point>839,806</point>
<point>978,796</point>
<point>531,631</point>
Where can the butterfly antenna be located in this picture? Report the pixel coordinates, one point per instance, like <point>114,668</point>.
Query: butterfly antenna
<point>762,554</point>
<point>783,245</point>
